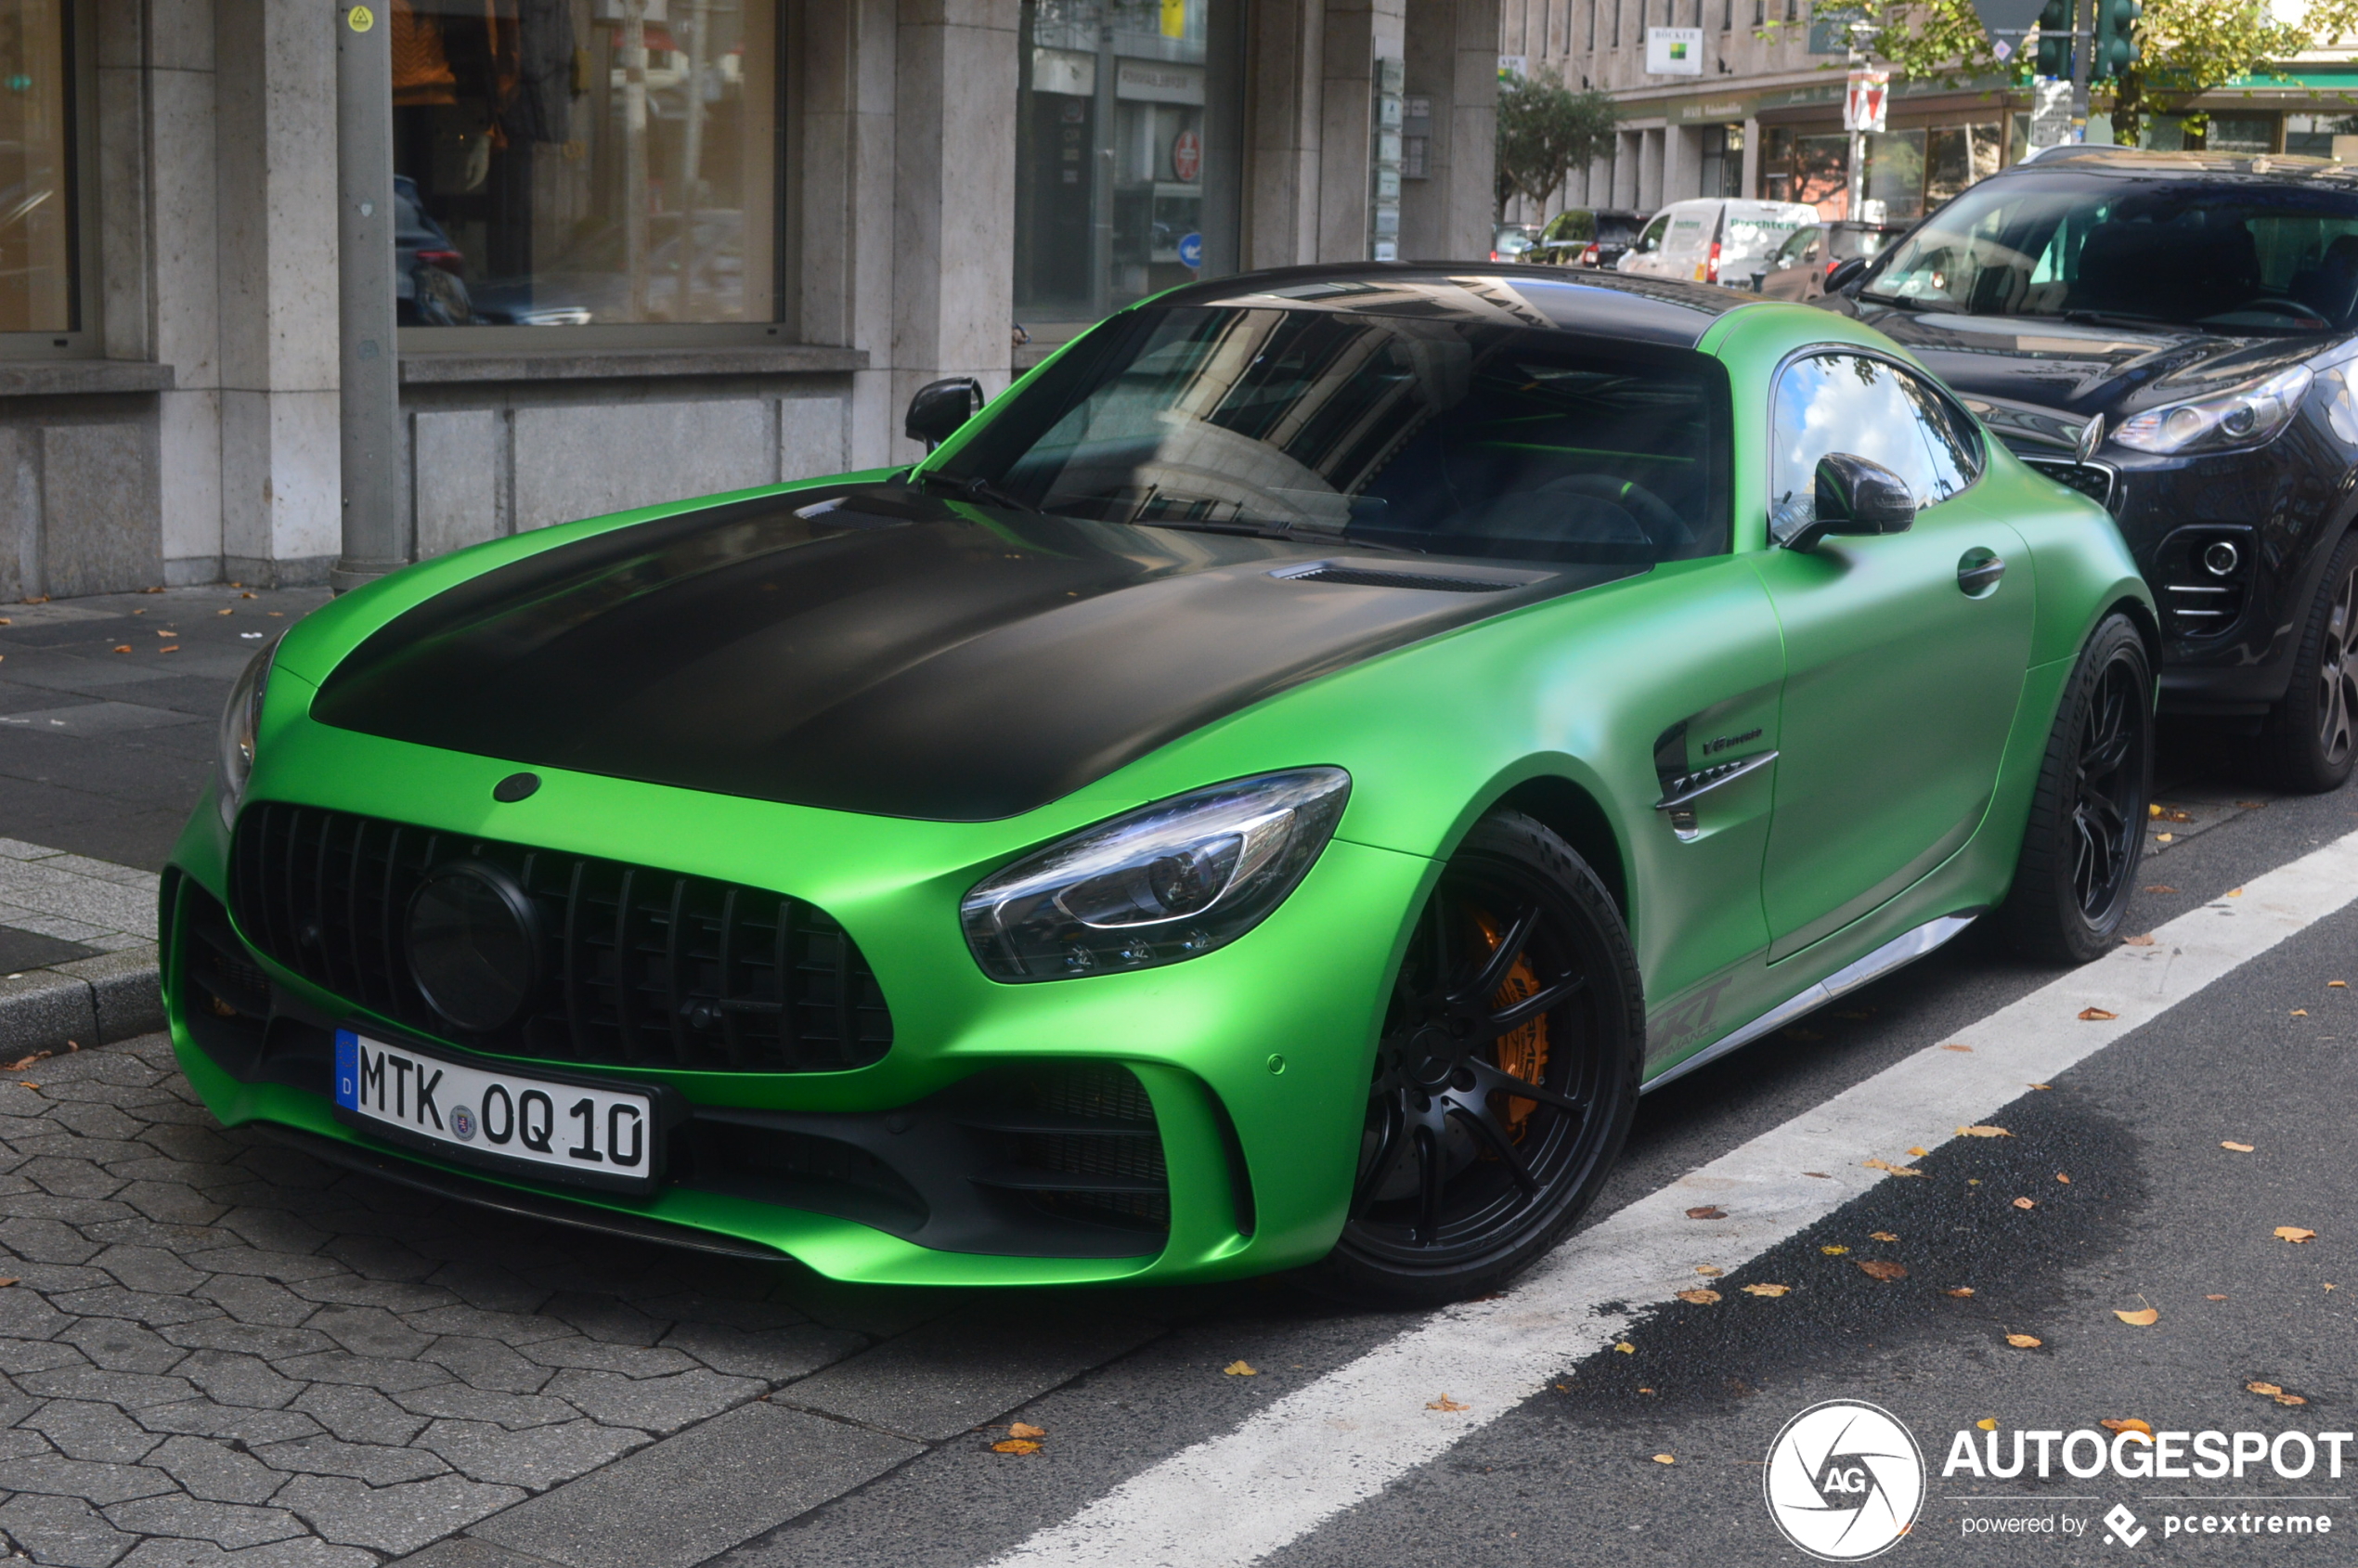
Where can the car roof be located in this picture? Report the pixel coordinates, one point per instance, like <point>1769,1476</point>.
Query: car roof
<point>2155,163</point>
<point>1650,310</point>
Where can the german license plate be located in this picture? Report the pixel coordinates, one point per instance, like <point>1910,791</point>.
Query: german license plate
<point>569,1130</point>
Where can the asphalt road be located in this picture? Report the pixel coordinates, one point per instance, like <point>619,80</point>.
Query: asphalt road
<point>220,1354</point>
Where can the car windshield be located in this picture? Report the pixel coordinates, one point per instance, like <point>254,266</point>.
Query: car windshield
<point>1795,250</point>
<point>1511,241</point>
<point>2228,256</point>
<point>1424,434</point>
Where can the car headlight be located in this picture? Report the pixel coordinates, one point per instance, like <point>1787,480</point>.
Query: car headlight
<point>241,721</point>
<point>2244,417</point>
<point>1167,882</point>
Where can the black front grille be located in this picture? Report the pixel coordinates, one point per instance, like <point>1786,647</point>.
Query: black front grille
<point>644,967</point>
<point>2095,480</point>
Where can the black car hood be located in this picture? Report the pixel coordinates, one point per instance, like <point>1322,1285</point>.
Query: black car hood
<point>2077,370</point>
<point>884,652</point>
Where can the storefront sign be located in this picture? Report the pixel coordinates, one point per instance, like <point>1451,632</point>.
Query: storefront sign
<point>1153,82</point>
<point>1068,71</point>
<point>1864,106</point>
<point>1673,51</point>
<point>1511,66</point>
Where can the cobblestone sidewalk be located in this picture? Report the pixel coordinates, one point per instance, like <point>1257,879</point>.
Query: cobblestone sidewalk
<point>217,1352</point>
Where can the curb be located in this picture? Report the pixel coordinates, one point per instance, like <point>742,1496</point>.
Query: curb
<point>89,1002</point>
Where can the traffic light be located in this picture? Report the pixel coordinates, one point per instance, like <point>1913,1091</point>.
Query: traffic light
<point>2054,38</point>
<point>2116,37</point>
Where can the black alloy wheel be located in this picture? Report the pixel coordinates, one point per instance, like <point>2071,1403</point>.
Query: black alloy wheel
<point>1505,1077</point>
<point>2314,729</point>
<point>2086,832</point>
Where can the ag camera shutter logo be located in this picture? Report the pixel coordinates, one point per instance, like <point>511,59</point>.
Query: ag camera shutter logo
<point>1844,1481</point>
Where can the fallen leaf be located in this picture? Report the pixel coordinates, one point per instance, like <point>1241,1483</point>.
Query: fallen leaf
<point>1768,1289</point>
<point>2024,1341</point>
<point>1883,1269</point>
<point>1881,1236</point>
<point>1967,1049</point>
<point>1918,1153</point>
<point>2290,1399</point>
<point>2235,892</point>
<point>1961,1293</point>
<point>2026,1203</point>
<point>1700,1297</point>
<point>1446,1402</point>
<point>1025,1429</point>
<point>2295,1235</point>
<point>2043,1085</point>
<point>1016,1446</point>
<point>2240,1149</point>
<point>1820,1174</point>
<point>224,611</point>
<point>169,648</point>
<point>2095,1015</point>
<point>1709,1271</point>
<point>2271,1389</point>
<point>1645,1390</point>
<point>2061,1177</point>
<point>2300,1012</point>
<point>6,1283</point>
<point>2337,985</point>
<point>123,647</point>
<point>1665,1460</point>
<point>2160,887</point>
<point>1240,1369</point>
<point>1973,1181</point>
<point>2143,1318</point>
<point>2142,939</point>
<point>2164,837</point>
<point>1887,1165</point>
<point>2131,1424</point>
<point>1624,1347</point>
<point>1833,1251</point>
<point>1708,1211</point>
<point>1988,1132</point>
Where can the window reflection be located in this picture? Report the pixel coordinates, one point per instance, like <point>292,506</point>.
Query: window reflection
<point>578,163</point>
<point>36,245</point>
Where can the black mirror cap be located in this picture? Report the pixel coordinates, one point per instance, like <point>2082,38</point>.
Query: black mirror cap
<point>940,407</point>
<point>1845,272</point>
<point>1856,495</point>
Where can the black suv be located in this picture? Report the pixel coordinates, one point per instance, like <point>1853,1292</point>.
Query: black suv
<point>2174,333</point>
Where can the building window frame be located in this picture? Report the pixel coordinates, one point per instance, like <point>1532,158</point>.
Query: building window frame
<point>85,339</point>
<point>782,331</point>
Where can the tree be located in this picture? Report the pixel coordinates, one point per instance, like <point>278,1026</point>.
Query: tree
<point>2185,47</point>
<point>1546,130</point>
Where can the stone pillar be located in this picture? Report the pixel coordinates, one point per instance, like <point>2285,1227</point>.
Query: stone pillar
<point>1751,186</point>
<point>1650,159</point>
<point>1356,32</point>
<point>846,176</point>
<point>954,212</point>
<point>1628,145</point>
<point>1681,162</point>
<point>1285,43</point>
<point>280,481</point>
<point>1452,54</point>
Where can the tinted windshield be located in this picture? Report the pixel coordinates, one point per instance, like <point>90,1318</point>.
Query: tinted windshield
<point>1423,434</point>
<point>2227,256</point>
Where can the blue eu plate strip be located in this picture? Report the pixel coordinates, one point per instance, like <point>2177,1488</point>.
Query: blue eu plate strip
<point>347,1070</point>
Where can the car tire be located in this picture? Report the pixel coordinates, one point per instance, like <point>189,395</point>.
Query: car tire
<point>2077,866</point>
<point>2312,734</point>
<point>1518,970</point>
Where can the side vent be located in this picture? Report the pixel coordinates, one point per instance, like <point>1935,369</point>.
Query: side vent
<point>1371,576</point>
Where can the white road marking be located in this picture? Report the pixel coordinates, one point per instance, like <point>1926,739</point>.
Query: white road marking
<point>1233,1499</point>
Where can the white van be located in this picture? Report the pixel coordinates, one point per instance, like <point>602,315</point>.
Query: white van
<point>1713,240</point>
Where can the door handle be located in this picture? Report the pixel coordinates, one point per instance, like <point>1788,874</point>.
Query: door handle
<point>1978,571</point>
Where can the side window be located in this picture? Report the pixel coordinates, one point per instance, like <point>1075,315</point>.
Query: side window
<point>1651,240</point>
<point>1843,403</point>
<point>1948,437</point>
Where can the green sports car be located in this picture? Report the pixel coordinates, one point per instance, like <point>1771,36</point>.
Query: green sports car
<point>1268,792</point>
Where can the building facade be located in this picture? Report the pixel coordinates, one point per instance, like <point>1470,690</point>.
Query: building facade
<point>645,249</point>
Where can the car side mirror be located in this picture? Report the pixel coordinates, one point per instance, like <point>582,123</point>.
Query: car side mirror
<point>940,407</point>
<point>1845,272</point>
<point>1856,496</point>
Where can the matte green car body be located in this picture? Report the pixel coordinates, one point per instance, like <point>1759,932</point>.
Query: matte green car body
<point>1889,812</point>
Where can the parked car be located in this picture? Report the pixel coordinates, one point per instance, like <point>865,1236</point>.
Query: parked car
<point>1509,241</point>
<point>2170,333</point>
<point>1800,267</point>
<point>1224,810</point>
<point>1587,237</point>
<point>1712,239</point>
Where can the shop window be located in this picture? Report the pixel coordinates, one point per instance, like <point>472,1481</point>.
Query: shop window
<point>2246,134</point>
<point>2323,135</point>
<point>1723,161</point>
<point>585,163</point>
<point>37,198</point>
<point>1124,180</point>
<point>1956,156</point>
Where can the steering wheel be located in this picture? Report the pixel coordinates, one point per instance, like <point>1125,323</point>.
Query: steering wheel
<point>1664,528</point>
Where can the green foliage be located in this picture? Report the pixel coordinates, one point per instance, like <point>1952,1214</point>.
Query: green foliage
<point>1546,130</point>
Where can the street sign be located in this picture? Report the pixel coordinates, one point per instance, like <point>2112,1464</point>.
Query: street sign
<point>1191,251</point>
<point>1867,101</point>
<point>1186,157</point>
<point>1999,17</point>
<point>2050,113</point>
<point>1673,51</point>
